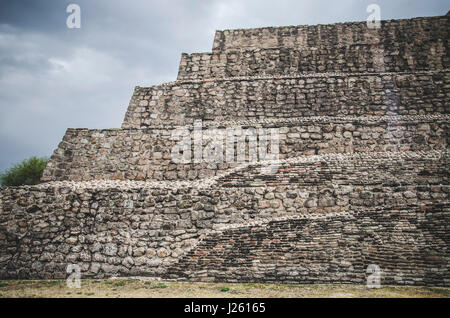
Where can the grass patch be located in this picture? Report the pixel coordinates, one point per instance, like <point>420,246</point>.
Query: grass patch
<point>25,282</point>
<point>154,288</point>
<point>439,291</point>
<point>160,285</point>
<point>249,287</point>
<point>291,286</point>
<point>53,282</point>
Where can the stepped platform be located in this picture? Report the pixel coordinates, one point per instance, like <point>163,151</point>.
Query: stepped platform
<point>320,94</point>
<point>356,58</point>
<point>145,154</point>
<point>361,179</point>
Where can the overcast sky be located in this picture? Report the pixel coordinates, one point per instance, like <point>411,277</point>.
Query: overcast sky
<point>53,77</point>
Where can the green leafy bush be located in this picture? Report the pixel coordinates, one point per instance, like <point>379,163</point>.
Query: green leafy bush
<point>28,172</point>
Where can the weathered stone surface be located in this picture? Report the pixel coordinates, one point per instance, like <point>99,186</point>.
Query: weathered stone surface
<point>363,125</point>
<point>369,135</point>
<point>330,94</point>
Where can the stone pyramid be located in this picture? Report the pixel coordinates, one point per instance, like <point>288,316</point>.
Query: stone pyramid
<point>362,177</point>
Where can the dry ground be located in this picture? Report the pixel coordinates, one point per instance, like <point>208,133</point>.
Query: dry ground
<point>151,288</point>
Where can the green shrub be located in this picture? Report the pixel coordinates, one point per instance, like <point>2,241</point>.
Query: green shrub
<point>28,172</point>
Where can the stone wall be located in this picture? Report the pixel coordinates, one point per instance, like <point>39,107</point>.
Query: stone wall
<point>410,248</point>
<point>145,154</point>
<point>392,32</point>
<point>350,59</point>
<point>379,94</point>
<point>133,229</point>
